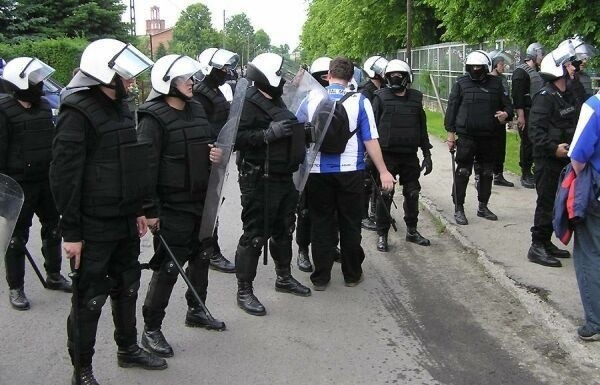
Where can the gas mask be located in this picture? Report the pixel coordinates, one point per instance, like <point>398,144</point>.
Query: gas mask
<point>398,83</point>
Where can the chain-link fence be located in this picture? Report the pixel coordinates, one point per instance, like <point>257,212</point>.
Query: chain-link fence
<point>445,62</point>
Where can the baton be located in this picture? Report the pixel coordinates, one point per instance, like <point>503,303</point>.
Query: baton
<point>266,209</point>
<point>183,275</point>
<point>35,268</point>
<point>379,195</point>
<point>454,177</point>
<point>74,275</point>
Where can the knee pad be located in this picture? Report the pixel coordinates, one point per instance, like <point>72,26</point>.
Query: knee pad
<point>130,282</point>
<point>412,194</point>
<point>95,295</point>
<point>16,243</point>
<point>487,171</point>
<point>464,172</point>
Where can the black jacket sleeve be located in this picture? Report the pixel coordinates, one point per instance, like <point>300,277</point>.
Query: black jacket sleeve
<point>251,129</point>
<point>425,144</point>
<point>520,88</point>
<point>150,131</point>
<point>69,151</point>
<point>4,137</point>
<point>539,125</point>
<point>454,101</point>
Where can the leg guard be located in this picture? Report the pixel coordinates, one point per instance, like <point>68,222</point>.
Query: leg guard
<point>246,258</point>
<point>461,180</point>
<point>51,251</point>
<point>485,185</point>
<point>123,300</point>
<point>411,203</point>
<point>158,295</point>
<point>15,263</point>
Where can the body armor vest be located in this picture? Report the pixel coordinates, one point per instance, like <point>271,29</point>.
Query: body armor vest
<point>183,167</point>
<point>400,123</point>
<point>219,111</point>
<point>368,90</point>
<point>535,80</point>
<point>286,154</point>
<point>480,101</point>
<point>116,174</point>
<point>564,117</point>
<point>29,141</point>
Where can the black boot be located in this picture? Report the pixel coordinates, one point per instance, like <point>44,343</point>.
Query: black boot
<point>303,261</point>
<point>459,215</point>
<point>220,263</point>
<point>486,213</point>
<point>555,251</point>
<point>412,235</point>
<point>500,181</point>
<point>134,356</point>
<point>196,317</point>
<point>527,180</point>
<point>538,254</point>
<point>382,243</point>
<point>86,377</point>
<point>56,281</point>
<point>287,284</point>
<point>247,301</point>
<point>368,224</point>
<point>18,300</point>
<point>155,341</point>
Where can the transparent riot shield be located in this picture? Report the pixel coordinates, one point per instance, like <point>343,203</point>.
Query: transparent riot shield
<point>11,201</point>
<point>304,95</point>
<point>218,173</point>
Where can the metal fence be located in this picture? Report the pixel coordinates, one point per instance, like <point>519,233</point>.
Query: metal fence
<point>445,62</point>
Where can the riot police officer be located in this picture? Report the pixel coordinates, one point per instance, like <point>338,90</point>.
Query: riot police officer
<point>402,127</point>
<point>477,109</point>
<point>26,133</point>
<point>552,123</point>
<point>374,67</point>
<point>215,64</point>
<point>99,176</point>
<point>526,82</point>
<point>180,135</point>
<point>271,147</point>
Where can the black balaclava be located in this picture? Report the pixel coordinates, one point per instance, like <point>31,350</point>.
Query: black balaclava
<point>317,76</point>
<point>33,94</point>
<point>398,84</point>
<point>117,85</point>
<point>216,78</point>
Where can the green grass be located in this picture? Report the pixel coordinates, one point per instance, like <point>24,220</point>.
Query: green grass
<point>435,126</point>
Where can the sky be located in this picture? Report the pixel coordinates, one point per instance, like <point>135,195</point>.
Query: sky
<point>282,20</point>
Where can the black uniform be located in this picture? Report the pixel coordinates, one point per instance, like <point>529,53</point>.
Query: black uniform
<point>98,177</point>
<point>471,109</point>
<point>25,153</point>
<point>552,121</point>
<point>402,127</point>
<point>526,82</point>
<point>369,91</point>
<point>180,144</point>
<point>282,157</point>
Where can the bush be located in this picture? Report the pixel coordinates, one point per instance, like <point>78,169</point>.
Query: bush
<point>62,54</point>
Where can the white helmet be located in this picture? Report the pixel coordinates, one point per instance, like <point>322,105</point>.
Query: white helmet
<point>22,72</point>
<point>397,65</point>
<point>104,58</point>
<point>320,64</point>
<point>582,50</point>
<point>552,66</point>
<point>169,67</point>
<point>217,58</point>
<point>375,65</point>
<point>478,58</point>
<point>534,50</point>
<point>265,69</point>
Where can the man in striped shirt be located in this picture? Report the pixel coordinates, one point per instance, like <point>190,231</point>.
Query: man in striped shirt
<point>335,184</point>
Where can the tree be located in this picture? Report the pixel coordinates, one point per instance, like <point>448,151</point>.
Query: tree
<point>239,35</point>
<point>97,19</point>
<point>160,51</point>
<point>262,42</point>
<point>193,32</point>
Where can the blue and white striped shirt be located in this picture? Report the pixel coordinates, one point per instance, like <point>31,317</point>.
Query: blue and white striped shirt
<point>585,146</point>
<point>360,115</point>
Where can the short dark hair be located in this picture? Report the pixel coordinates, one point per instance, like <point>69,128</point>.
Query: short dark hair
<point>341,68</point>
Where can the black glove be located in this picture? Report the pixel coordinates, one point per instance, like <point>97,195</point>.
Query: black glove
<point>310,132</point>
<point>427,165</point>
<point>278,130</point>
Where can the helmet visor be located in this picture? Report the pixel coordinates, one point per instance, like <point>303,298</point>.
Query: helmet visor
<point>223,58</point>
<point>36,71</point>
<point>379,66</point>
<point>130,62</point>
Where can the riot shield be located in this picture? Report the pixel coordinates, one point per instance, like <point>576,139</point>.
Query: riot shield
<point>312,104</point>
<point>11,201</point>
<point>218,173</point>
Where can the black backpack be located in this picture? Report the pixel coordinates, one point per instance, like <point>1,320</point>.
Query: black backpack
<point>338,133</point>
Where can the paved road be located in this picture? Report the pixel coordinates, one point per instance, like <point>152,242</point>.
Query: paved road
<point>422,316</point>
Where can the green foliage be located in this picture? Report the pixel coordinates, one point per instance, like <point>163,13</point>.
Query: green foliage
<point>239,36</point>
<point>262,41</point>
<point>160,51</point>
<point>193,32</point>
<point>62,54</point>
<point>360,28</point>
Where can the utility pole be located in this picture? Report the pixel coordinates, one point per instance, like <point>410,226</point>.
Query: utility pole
<point>132,17</point>
<point>223,29</point>
<point>409,30</point>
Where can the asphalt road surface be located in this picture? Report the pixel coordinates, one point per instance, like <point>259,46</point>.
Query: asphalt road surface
<point>423,315</point>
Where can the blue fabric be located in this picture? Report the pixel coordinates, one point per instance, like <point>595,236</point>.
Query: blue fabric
<point>586,141</point>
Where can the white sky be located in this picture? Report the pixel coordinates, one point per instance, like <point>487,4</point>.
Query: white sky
<point>282,20</point>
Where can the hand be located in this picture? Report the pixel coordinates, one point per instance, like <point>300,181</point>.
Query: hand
<point>427,165</point>
<point>562,150</point>
<point>73,251</point>
<point>278,130</point>
<point>451,141</point>
<point>142,226</point>
<point>153,224</point>
<point>310,132</point>
<point>521,122</point>
<point>387,181</point>
<point>216,154</point>
<point>501,116</point>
